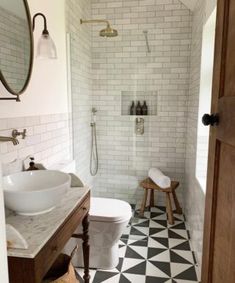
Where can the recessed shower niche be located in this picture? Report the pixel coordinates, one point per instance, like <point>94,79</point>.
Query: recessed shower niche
<point>150,97</point>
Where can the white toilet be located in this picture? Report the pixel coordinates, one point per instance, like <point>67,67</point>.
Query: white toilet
<point>108,219</point>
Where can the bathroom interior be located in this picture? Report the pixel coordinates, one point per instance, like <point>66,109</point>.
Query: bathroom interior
<point>120,88</point>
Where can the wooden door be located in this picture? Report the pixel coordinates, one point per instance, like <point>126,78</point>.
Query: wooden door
<point>219,230</point>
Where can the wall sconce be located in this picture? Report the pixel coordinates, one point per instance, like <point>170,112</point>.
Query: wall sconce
<point>46,48</point>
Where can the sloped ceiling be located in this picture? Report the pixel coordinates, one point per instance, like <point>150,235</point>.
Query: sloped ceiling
<point>189,3</point>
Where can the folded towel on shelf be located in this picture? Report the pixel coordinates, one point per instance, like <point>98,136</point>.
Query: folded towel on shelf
<point>14,239</point>
<point>159,178</point>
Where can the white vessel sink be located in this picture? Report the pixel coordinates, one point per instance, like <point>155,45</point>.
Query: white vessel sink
<point>35,192</point>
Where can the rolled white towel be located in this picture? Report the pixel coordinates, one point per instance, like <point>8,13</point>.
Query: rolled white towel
<point>14,239</point>
<point>159,178</point>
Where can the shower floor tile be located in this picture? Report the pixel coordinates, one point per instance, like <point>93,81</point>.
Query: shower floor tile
<point>152,251</point>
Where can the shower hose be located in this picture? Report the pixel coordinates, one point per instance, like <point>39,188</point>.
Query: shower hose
<point>94,159</point>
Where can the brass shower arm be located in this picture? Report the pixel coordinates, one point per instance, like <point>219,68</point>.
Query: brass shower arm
<point>94,21</point>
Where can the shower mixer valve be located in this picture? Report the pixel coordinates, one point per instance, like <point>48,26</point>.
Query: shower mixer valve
<point>139,126</point>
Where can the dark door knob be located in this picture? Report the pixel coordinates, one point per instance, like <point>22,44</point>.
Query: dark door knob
<point>211,120</point>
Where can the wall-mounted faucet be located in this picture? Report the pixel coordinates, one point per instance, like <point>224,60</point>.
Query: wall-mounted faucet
<point>16,133</point>
<point>13,138</point>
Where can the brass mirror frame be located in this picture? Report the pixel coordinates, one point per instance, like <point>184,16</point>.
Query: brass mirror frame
<point>2,78</point>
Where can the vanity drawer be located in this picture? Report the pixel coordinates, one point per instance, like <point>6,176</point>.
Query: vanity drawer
<point>34,270</point>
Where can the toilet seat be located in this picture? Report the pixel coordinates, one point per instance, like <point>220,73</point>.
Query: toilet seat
<point>109,210</point>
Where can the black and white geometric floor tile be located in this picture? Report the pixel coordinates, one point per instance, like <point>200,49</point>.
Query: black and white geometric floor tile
<point>152,251</point>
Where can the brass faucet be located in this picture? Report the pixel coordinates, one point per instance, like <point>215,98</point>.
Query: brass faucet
<point>16,133</point>
<point>11,139</point>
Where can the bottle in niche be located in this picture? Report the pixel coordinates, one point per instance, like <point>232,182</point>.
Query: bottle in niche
<point>138,109</point>
<point>144,109</point>
<point>132,109</point>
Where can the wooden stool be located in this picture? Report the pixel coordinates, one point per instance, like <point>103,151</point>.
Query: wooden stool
<point>150,186</point>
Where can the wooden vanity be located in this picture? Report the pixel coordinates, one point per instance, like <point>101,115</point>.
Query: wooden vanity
<point>47,235</point>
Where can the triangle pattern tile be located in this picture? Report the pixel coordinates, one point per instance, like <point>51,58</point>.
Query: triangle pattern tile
<point>154,215</point>
<point>160,217</point>
<point>175,242</point>
<point>143,230</point>
<point>142,251</point>
<point>152,252</point>
<point>177,222</point>
<point>136,238</point>
<point>187,255</point>
<point>189,274</point>
<point>180,226</point>
<point>123,279</point>
<point>182,233</point>
<point>179,217</point>
<point>162,234</point>
<point>115,279</point>
<point>123,241</point>
<point>174,235</point>
<point>163,223</point>
<point>137,269</point>
<point>101,276</point>
<point>184,281</point>
<point>120,264</point>
<point>155,224</point>
<point>142,242</point>
<point>163,241</point>
<point>135,278</point>
<point>134,231</point>
<point>152,243</point>
<point>185,246</point>
<point>142,224</point>
<point>131,253</point>
<point>155,231</point>
<point>178,268</point>
<point>158,209</point>
<point>174,257</point>
<point>162,208</point>
<point>163,266</point>
<point>128,263</point>
<point>164,257</point>
<point>138,220</point>
<point>150,279</point>
<point>125,236</point>
<point>153,271</point>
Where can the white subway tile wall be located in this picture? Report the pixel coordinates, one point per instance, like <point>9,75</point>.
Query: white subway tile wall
<point>122,65</point>
<point>48,140</point>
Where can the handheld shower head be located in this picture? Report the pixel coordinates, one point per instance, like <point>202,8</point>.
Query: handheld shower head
<point>107,32</point>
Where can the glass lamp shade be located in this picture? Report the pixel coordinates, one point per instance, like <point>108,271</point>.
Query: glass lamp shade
<point>46,48</point>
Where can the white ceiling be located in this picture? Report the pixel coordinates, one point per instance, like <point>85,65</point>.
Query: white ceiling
<point>189,3</point>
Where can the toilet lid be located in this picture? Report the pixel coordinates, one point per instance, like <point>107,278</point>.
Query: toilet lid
<point>109,210</point>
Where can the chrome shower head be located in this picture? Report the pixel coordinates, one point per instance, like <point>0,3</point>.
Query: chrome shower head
<point>107,32</point>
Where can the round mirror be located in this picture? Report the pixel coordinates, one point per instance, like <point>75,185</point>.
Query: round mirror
<point>16,45</point>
